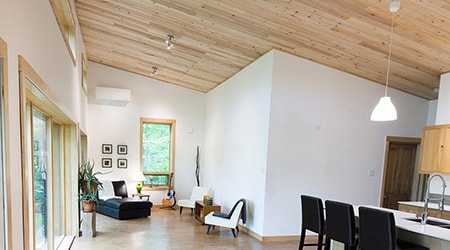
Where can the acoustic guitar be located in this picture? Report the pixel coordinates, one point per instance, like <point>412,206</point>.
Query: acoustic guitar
<point>169,201</point>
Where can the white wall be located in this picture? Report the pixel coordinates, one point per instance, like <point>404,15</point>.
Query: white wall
<point>150,98</point>
<point>237,120</point>
<point>443,105</point>
<point>320,138</point>
<point>322,141</point>
<point>30,29</point>
<point>432,110</point>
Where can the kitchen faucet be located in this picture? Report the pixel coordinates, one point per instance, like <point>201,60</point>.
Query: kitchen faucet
<point>424,217</point>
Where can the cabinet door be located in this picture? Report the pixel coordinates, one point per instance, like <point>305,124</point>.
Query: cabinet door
<point>409,208</point>
<point>444,154</point>
<point>430,149</point>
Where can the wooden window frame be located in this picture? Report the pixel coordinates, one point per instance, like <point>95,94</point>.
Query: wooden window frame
<point>34,92</point>
<point>66,22</point>
<point>172,124</point>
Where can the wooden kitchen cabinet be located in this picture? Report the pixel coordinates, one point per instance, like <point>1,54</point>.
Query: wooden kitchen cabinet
<point>419,210</point>
<point>435,150</point>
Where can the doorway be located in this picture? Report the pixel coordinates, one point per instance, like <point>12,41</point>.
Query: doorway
<point>401,182</point>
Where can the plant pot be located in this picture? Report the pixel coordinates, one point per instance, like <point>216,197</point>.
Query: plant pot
<point>88,206</point>
<point>93,187</point>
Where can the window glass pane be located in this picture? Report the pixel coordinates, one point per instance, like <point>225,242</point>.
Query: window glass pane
<point>58,180</point>
<point>40,160</point>
<point>156,148</point>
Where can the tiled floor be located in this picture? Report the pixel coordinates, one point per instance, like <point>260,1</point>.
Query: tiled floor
<point>167,229</point>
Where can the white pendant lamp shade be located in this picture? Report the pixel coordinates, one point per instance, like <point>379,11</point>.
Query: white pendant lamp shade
<point>384,111</point>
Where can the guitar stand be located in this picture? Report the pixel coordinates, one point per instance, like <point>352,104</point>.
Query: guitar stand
<point>167,207</point>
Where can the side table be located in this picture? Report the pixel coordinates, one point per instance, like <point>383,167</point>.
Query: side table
<point>201,210</point>
<point>141,195</point>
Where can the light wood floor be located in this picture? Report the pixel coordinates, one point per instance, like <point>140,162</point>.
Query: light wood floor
<point>167,229</point>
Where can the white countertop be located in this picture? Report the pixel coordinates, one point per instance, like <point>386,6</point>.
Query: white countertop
<point>402,223</point>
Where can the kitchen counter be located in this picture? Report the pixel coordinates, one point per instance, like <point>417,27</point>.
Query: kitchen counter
<point>402,222</point>
<point>434,237</point>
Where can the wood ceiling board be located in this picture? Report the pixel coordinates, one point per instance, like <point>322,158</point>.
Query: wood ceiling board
<point>215,39</point>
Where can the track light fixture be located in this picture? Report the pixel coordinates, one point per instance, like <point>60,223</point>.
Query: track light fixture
<point>169,41</point>
<point>154,72</point>
<point>385,110</point>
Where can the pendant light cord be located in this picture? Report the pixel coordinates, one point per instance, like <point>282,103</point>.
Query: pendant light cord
<point>389,54</point>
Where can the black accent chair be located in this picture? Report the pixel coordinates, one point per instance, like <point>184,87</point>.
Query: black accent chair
<point>377,231</point>
<point>340,224</point>
<point>312,220</point>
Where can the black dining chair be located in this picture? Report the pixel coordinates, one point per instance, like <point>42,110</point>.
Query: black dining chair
<point>377,231</point>
<point>340,224</point>
<point>312,220</point>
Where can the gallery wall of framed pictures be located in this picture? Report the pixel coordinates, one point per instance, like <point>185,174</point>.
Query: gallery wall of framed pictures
<point>108,152</point>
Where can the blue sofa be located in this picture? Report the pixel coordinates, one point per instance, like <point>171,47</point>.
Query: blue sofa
<point>119,205</point>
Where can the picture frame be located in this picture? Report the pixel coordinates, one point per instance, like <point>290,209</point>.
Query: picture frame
<point>106,163</point>
<point>107,148</point>
<point>122,163</point>
<point>122,149</point>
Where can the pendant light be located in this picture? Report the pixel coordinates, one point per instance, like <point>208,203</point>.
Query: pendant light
<point>385,110</point>
<point>169,41</point>
<point>154,71</point>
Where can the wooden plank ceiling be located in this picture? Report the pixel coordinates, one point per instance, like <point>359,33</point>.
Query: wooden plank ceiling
<point>215,39</point>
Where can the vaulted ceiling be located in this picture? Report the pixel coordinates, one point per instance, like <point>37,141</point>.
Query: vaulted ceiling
<point>215,39</point>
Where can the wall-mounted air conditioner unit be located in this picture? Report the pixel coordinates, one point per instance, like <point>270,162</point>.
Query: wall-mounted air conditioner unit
<point>112,96</point>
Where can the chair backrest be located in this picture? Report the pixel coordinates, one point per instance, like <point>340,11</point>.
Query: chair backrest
<point>376,229</point>
<point>120,188</point>
<point>198,193</point>
<point>236,215</point>
<point>312,214</point>
<point>340,222</point>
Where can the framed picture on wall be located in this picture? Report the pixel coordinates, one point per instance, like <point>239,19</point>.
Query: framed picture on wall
<point>107,148</point>
<point>122,149</point>
<point>122,163</point>
<point>106,163</point>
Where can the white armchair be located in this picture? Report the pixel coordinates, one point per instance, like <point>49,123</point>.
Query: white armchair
<point>229,220</point>
<point>196,195</point>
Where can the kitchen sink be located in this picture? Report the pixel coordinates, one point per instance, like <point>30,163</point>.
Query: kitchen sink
<point>432,222</point>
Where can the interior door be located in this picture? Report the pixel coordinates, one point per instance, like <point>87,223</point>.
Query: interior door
<point>399,173</point>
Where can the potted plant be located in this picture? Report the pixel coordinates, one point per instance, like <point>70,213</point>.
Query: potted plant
<point>88,200</point>
<point>88,184</point>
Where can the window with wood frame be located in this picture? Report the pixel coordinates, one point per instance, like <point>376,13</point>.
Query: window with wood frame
<point>157,151</point>
<point>64,16</point>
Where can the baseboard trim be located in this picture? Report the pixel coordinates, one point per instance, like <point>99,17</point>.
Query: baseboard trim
<point>309,239</point>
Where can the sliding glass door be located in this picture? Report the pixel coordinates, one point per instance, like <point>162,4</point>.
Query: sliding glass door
<point>41,163</point>
<point>46,140</point>
<point>58,182</point>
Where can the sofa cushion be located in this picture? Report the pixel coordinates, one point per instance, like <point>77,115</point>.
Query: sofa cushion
<point>120,188</point>
<point>125,204</point>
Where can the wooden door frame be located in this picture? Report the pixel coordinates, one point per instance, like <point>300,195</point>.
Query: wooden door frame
<point>404,140</point>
